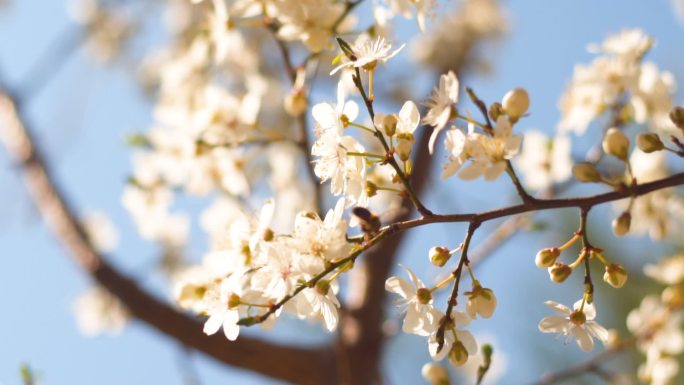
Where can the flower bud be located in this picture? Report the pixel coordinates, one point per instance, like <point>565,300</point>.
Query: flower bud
<point>403,148</point>
<point>458,355</point>
<point>389,124</point>
<point>439,255</point>
<point>516,102</point>
<point>616,143</point>
<point>615,275</point>
<point>296,103</point>
<point>546,257</point>
<point>496,110</point>
<point>586,173</point>
<point>622,223</point>
<point>559,272</point>
<point>649,142</point>
<point>435,374</point>
<point>677,116</point>
<point>481,301</point>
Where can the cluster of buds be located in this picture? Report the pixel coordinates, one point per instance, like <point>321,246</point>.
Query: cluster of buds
<point>677,117</point>
<point>651,142</point>
<point>615,274</point>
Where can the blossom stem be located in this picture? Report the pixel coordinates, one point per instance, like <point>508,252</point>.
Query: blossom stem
<point>442,283</point>
<point>679,153</point>
<point>424,211</point>
<point>389,189</point>
<point>371,97</point>
<point>579,260</point>
<point>570,242</point>
<point>361,126</point>
<point>470,272</point>
<point>588,284</point>
<point>365,154</point>
<point>524,195</point>
<point>457,274</point>
<point>472,121</point>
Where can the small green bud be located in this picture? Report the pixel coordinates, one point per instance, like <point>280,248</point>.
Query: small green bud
<point>439,255</point>
<point>346,49</point>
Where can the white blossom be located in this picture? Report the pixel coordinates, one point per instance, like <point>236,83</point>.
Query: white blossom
<point>577,323</point>
<point>441,105</point>
<point>544,161</point>
<point>368,52</point>
<point>416,300</point>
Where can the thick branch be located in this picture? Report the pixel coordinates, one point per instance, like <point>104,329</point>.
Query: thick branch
<point>298,365</point>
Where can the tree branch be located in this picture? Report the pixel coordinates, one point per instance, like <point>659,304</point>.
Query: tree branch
<point>305,366</point>
<point>361,336</point>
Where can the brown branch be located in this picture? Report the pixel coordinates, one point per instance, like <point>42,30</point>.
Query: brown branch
<point>306,366</point>
<point>592,365</point>
<point>361,337</point>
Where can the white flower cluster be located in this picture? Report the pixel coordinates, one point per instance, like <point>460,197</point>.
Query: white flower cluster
<point>445,335</point>
<point>619,77</point>
<point>660,213</point>
<point>254,268</point>
<point>658,323</point>
<point>217,135</point>
<point>98,312</point>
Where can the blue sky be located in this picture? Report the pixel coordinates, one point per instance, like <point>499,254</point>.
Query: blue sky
<point>83,115</point>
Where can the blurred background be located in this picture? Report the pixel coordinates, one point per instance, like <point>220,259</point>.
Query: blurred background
<point>81,109</point>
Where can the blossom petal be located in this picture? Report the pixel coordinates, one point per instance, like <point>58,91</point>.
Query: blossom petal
<point>584,340</point>
<point>399,286</point>
<point>213,324</point>
<point>554,324</point>
<point>468,341</point>
<point>325,115</point>
<point>597,331</point>
<point>410,116</point>
<point>558,307</point>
